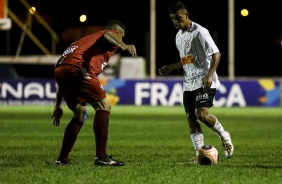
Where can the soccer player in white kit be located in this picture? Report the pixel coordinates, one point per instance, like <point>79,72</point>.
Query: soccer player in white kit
<point>199,58</point>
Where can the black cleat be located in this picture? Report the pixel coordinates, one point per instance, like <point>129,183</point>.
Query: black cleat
<point>68,163</point>
<point>108,161</point>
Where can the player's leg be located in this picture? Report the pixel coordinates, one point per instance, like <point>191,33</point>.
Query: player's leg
<point>196,133</point>
<point>95,95</point>
<point>72,130</point>
<point>100,128</point>
<point>68,77</point>
<point>203,103</point>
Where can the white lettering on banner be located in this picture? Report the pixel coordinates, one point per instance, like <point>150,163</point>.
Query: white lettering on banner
<point>48,91</point>
<point>32,88</point>
<point>140,93</point>
<point>176,95</point>
<point>5,88</point>
<point>221,101</point>
<point>158,92</point>
<point>235,97</point>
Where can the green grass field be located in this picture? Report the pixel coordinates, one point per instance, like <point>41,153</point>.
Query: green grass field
<point>153,141</point>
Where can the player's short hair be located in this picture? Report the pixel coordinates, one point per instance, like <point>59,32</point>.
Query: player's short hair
<point>113,23</point>
<point>176,6</point>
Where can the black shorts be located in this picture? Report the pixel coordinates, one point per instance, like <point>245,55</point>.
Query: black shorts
<point>198,98</point>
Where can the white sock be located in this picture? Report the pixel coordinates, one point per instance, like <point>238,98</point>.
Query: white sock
<point>197,140</point>
<point>218,129</point>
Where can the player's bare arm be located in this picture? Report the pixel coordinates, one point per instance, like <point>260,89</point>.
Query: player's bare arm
<point>117,40</point>
<point>207,81</point>
<point>169,68</point>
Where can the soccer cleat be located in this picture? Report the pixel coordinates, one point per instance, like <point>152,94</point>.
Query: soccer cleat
<point>68,163</point>
<point>227,145</point>
<point>108,161</point>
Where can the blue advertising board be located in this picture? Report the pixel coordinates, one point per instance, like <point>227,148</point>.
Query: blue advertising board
<point>165,92</point>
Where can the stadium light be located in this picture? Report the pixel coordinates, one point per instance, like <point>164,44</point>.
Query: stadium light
<point>32,10</point>
<point>83,18</point>
<point>244,12</point>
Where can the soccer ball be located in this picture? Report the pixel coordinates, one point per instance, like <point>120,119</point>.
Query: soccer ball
<point>207,155</point>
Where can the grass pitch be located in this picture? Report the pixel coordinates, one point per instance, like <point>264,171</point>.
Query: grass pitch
<point>153,141</point>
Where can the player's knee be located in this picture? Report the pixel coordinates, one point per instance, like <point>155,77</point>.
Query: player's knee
<point>201,117</point>
<point>106,107</point>
<point>103,104</point>
<point>81,113</point>
<point>84,113</point>
<point>201,114</point>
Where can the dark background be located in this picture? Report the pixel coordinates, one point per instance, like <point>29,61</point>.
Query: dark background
<point>257,37</point>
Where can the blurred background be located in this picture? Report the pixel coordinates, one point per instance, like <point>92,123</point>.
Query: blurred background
<point>257,36</point>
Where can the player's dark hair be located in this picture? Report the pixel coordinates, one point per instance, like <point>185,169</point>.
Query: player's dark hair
<point>113,23</point>
<point>176,6</point>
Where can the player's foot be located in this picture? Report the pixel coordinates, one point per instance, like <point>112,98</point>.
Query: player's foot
<point>68,163</point>
<point>108,161</point>
<point>227,144</point>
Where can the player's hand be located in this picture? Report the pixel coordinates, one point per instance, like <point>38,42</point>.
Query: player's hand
<point>165,70</point>
<point>207,82</point>
<point>57,115</point>
<point>131,49</point>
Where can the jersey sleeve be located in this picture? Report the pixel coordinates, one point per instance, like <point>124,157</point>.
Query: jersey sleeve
<point>207,42</point>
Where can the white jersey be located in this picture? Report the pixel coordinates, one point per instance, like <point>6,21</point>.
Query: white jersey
<point>196,48</point>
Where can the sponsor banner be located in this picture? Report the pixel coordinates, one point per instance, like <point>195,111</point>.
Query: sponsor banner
<point>262,92</point>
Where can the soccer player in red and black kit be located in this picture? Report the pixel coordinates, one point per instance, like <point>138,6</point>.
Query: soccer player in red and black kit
<point>76,74</point>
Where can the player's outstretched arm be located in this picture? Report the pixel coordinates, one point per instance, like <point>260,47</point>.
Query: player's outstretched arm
<point>131,49</point>
<point>116,40</point>
<point>169,68</point>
